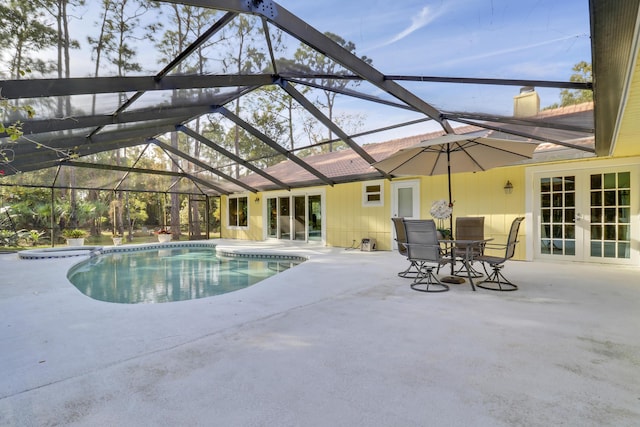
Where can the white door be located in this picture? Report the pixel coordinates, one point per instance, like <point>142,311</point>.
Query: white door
<point>587,215</point>
<point>405,202</point>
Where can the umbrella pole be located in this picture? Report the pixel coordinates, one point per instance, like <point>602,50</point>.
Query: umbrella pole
<point>449,182</point>
<point>452,278</point>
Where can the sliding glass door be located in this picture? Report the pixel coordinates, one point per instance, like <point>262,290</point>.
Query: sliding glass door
<point>314,204</point>
<point>296,217</point>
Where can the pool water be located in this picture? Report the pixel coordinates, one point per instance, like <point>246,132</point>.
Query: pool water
<point>170,274</point>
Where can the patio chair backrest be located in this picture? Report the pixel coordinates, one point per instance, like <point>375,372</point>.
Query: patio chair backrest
<point>401,235</point>
<point>513,237</point>
<point>469,228</point>
<point>422,240</point>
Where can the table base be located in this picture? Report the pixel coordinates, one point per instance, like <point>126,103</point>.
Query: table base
<point>452,279</point>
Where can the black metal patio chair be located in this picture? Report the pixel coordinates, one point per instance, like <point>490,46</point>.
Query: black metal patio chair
<point>401,239</point>
<point>423,249</point>
<point>468,228</point>
<point>495,280</point>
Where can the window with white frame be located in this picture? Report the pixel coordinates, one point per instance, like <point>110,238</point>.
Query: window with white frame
<point>373,193</point>
<point>238,210</point>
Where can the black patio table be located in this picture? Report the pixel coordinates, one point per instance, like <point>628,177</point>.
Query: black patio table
<point>467,259</point>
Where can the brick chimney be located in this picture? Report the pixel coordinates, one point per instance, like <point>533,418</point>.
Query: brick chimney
<point>527,103</point>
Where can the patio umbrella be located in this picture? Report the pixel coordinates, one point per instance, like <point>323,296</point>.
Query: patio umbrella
<point>453,153</point>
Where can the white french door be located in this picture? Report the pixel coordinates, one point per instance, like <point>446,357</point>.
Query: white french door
<point>405,202</point>
<point>587,215</point>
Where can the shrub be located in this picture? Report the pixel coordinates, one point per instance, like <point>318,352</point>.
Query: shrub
<point>76,233</point>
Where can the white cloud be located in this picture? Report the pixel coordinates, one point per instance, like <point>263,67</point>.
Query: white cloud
<point>422,19</point>
<point>509,50</point>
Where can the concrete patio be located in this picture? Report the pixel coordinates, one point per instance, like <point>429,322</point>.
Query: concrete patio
<point>339,340</point>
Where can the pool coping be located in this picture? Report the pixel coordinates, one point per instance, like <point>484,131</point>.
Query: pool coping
<point>91,251</point>
<point>60,252</point>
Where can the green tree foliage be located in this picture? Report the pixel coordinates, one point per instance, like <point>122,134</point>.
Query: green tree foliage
<point>239,48</point>
<point>137,211</point>
<point>116,44</point>
<point>24,32</point>
<point>286,112</point>
<point>59,11</point>
<point>582,73</point>
<point>13,130</point>
<point>186,24</point>
<point>317,63</point>
<point>244,57</point>
<point>120,29</point>
<point>27,205</point>
<point>105,42</point>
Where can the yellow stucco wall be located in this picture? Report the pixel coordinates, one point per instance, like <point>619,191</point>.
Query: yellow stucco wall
<point>254,229</point>
<point>348,221</point>
<point>474,194</point>
<point>483,194</point>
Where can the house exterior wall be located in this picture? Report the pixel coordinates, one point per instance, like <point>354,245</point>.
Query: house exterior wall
<point>586,168</point>
<point>628,137</point>
<point>483,194</point>
<point>347,220</point>
<point>479,194</point>
<point>253,231</point>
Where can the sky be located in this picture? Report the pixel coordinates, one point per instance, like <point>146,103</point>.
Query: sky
<point>538,39</point>
<point>504,39</point>
<point>483,38</point>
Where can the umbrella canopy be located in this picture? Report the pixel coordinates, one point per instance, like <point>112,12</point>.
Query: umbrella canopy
<point>455,153</point>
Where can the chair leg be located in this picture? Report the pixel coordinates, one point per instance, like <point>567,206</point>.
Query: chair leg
<point>496,280</point>
<point>426,281</point>
<point>411,272</point>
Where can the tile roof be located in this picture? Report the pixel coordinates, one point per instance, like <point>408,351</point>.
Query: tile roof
<point>337,164</point>
<point>566,111</point>
<point>346,165</point>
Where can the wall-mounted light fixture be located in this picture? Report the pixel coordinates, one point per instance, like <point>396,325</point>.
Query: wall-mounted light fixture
<point>508,187</point>
<point>257,200</point>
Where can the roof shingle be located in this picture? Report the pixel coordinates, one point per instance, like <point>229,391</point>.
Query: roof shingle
<point>346,165</point>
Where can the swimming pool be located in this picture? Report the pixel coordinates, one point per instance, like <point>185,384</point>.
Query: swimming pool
<point>172,273</point>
